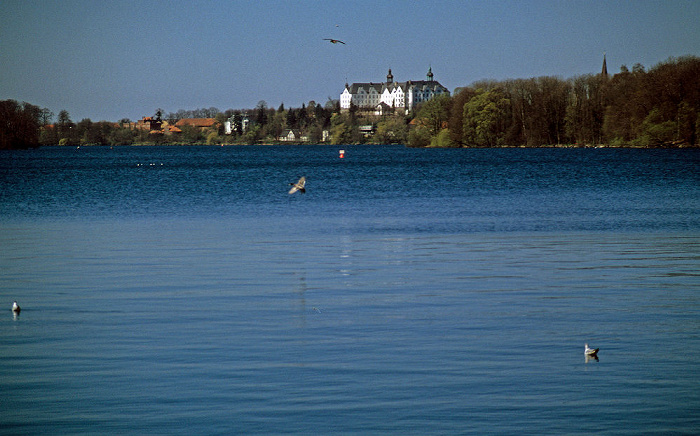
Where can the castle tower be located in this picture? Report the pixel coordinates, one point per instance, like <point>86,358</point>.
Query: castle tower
<point>389,77</point>
<point>430,74</point>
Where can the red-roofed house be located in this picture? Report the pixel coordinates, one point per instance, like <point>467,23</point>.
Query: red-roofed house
<point>200,123</point>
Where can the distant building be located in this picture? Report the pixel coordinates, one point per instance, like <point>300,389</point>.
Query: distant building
<point>149,123</point>
<point>387,96</point>
<point>169,130</point>
<point>604,72</point>
<point>367,130</point>
<point>382,109</point>
<point>231,124</point>
<point>199,123</point>
<point>292,135</point>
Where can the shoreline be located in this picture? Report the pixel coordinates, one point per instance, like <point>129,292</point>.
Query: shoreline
<point>283,144</point>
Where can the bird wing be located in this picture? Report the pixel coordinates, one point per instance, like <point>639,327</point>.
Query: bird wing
<point>298,186</point>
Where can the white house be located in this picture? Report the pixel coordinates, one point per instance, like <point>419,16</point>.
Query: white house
<point>290,135</point>
<point>231,124</point>
<point>387,95</point>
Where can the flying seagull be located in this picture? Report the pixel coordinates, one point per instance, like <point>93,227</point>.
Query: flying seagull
<point>298,186</point>
<point>15,307</point>
<point>334,41</point>
<point>590,351</point>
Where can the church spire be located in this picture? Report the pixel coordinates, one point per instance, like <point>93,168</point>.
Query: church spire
<point>604,72</point>
<point>389,77</point>
<point>430,74</point>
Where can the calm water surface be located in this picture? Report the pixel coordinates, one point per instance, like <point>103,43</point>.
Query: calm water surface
<point>181,290</point>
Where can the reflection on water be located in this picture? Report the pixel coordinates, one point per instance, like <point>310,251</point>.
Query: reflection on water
<point>593,358</point>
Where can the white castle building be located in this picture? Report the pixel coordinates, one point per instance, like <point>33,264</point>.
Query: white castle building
<point>382,97</point>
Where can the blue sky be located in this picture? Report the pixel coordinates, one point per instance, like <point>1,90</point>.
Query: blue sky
<point>123,59</point>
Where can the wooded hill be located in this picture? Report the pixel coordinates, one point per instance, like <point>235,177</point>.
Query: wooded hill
<point>638,108</point>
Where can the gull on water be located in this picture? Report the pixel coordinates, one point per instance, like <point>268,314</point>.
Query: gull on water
<point>298,186</point>
<point>15,307</point>
<point>590,351</point>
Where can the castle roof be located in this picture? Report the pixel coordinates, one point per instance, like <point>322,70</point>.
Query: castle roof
<point>405,86</point>
<point>410,85</point>
<point>355,87</point>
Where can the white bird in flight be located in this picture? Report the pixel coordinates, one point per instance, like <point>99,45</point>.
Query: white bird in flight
<point>590,351</point>
<point>298,186</point>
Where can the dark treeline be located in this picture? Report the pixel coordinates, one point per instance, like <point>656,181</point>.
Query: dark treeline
<point>86,132</point>
<point>267,124</point>
<point>25,125</point>
<point>20,123</point>
<point>638,108</point>
<point>173,117</point>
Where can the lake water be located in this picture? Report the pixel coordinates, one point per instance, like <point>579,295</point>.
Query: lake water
<point>181,290</point>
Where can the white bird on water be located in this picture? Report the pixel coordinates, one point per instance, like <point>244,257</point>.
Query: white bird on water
<point>15,307</point>
<point>590,351</point>
<point>298,186</point>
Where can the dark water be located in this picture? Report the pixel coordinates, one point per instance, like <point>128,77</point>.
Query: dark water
<point>181,290</point>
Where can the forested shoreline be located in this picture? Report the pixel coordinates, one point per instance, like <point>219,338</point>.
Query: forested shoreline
<point>632,108</point>
<point>637,108</point>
